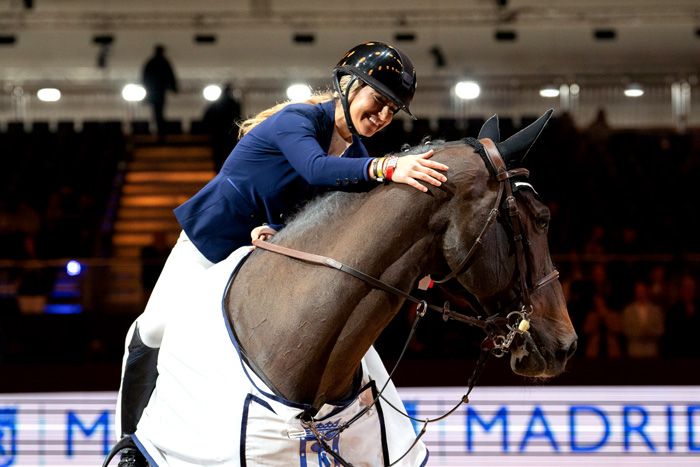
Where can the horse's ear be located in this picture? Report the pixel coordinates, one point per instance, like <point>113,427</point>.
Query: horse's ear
<point>490,130</point>
<point>515,148</point>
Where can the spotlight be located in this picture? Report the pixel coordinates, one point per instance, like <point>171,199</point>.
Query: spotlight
<point>48,94</point>
<point>133,92</point>
<point>73,268</point>
<point>634,90</point>
<point>212,92</point>
<point>549,91</point>
<point>298,92</point>
<point>467,90</point>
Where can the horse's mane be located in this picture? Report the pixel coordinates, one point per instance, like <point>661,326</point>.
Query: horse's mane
<point>322,209</point>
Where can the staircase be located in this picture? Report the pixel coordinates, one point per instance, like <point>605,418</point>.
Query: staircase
<point>158,178</point>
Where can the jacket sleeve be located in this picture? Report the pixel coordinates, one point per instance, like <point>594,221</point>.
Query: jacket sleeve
<point>297,140</point>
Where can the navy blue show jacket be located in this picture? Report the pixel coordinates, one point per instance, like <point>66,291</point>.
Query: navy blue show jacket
<point>273,170</point>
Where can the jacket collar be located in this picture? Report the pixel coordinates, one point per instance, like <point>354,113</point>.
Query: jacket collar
<point>328,109</point>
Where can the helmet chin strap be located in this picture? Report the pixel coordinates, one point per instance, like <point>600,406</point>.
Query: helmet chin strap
<point>344,100</point>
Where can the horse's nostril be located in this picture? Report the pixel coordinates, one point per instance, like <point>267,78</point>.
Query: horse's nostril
<point>572,349</point>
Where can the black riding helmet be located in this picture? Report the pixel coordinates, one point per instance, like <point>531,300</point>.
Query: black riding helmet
<point>384,68</point>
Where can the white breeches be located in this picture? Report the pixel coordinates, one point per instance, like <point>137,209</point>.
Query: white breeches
<point>175,283</point>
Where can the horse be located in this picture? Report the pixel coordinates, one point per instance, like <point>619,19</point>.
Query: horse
<point>303,326</point>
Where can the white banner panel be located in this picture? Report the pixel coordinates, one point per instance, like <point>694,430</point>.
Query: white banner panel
<point>513,426</point>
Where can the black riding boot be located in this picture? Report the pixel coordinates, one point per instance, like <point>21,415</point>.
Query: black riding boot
<point>138,382</point>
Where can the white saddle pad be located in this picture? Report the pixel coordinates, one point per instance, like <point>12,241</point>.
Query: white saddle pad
<point>209,408</point>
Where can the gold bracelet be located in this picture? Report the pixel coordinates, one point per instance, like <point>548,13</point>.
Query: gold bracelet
<point>380,167</point>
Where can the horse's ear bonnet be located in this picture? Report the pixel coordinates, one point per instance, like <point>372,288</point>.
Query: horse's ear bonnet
<point>490,130</point>
<point>514,149</point>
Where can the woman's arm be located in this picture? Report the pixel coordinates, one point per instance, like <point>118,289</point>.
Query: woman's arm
<point>297,139</point>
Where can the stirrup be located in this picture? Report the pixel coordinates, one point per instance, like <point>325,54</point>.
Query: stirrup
<point>130,454</point>
<point>132,457</point>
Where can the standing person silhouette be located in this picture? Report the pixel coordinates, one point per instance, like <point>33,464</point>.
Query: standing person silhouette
<point>158,78</point>
<point>220,119</point>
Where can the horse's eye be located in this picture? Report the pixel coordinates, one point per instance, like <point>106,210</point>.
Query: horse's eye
<point>543,224</point>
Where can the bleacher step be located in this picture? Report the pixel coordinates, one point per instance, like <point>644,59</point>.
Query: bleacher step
<point>170,166</point>
<point>160,188</point>
<point>146,225</point>
<point>158,179</point>
<point>168,201</point>
<point>166,152</point>
<point>202,176</point>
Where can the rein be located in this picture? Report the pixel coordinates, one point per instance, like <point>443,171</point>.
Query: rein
<point>496,343</point>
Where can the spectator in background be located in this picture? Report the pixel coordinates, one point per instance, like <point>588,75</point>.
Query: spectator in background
<point>583,288</point>
<point>158,78</point>
<point>642,324</point>
<point>596,243</point>
<point>220,119</point>
<point>683,321</point>
<point>598,131</point>
<point>19,226</point>
<point>659,290</point>
<point>601,330</point>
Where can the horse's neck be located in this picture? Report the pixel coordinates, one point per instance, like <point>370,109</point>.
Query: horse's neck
<point>386,238</point>
<point>336,317</point>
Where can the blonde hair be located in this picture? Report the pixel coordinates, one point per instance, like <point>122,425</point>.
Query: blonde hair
<point>316,98</point>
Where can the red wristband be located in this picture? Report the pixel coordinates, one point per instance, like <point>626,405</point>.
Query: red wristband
<point>391,165</point>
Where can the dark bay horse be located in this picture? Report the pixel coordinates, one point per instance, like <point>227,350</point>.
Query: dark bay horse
<point>305,328</point>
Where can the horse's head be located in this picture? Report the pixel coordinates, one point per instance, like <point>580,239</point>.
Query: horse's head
<point>496,245</point>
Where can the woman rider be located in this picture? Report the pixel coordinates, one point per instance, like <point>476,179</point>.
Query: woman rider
<point>285,155</point>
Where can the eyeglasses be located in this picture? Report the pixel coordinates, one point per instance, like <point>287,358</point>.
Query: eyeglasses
<point>383,102</point>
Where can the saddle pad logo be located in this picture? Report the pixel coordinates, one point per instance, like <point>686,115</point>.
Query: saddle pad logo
<point>8,436</point>
<point>311,453</point>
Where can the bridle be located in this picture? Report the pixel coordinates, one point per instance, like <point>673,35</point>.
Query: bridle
<point>500,331</point>
<point>499,343</point>
<point>489,152</point>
